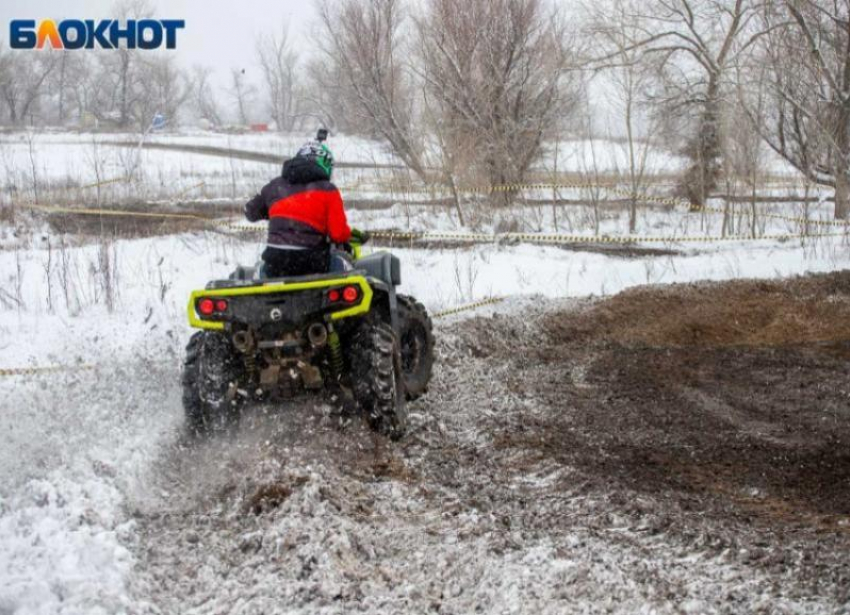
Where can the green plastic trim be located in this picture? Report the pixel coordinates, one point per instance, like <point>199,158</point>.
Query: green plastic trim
<point>240,291</point>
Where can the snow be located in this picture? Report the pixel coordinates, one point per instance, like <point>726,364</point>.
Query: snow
<point>606,156</point>
<point>154,277</point>
<point>74,445</point>
<point>58,164</point>
<point>79,449</point>
<point>62,166</point>
<point>71,454</point>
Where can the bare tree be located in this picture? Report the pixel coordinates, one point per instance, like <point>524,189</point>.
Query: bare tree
<point>166,90</point>
<point>449,159</point>
<point>83,85</point>
<point>499,70</point>
<point>365,50</point>
<point>203,96</point>
<point>23,81</point>
<point>60,86</point>
<point>330,98</point>
<point>744,147</point>
<point>808,52</point>
<point>694,43</point>
<point>121,62</point>
<point>6,62</point>
<point>631,82</point>
<point>242,93</point>
<point>278,64</point>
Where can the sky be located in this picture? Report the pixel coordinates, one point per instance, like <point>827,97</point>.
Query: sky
<point>218,33</point>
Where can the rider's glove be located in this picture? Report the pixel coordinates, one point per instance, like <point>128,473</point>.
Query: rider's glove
<point>359,236</point>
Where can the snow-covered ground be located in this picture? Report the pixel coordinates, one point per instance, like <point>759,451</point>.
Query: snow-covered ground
<point>61,167</point>
<point>54,298</point>
<point>76,447</point>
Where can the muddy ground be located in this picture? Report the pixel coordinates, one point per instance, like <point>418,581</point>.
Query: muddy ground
<point>679,449</point>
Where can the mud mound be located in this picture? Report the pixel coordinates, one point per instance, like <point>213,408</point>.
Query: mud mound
<point>815,309</point>
<point>735,391</point>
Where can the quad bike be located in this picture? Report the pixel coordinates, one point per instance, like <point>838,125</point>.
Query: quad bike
<point>271,339</point>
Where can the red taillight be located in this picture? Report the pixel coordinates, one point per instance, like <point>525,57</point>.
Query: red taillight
<point>210,307</point>
<point>350,294</point>
<point>206,307</point>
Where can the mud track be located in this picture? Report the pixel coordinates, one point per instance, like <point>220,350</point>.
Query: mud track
<point>673,449</point>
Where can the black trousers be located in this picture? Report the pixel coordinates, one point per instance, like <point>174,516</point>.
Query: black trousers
<point>284,263</point>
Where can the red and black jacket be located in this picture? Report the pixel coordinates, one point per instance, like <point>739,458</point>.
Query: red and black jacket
<point>300,215</point>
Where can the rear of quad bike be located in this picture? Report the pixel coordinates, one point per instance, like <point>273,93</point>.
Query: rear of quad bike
<point>271,340</point>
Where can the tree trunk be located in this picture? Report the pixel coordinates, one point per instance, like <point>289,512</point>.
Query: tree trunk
<point>842,156</point>
<point>456,198</point>
<point>62,66</point>
<point>704,151</point>
<point>633,178</point>
<point>842,194</point>
<point>125,85</point>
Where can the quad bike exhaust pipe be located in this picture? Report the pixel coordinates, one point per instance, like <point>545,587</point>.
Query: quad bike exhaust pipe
<point>317,334</point>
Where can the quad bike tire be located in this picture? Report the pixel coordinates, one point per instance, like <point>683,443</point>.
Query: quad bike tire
<point>212,371</point>
<point>416,346</point>
<point>376,377</point>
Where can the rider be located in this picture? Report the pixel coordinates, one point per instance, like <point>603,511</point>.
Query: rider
<point>305,214</point>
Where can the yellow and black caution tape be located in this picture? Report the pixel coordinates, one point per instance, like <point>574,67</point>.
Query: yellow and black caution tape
<point>106,182</point>
<point>242,228</point>
<point>183,193</point>
<point>796,219</point>
<point>120,212</point>
<point>669,201</point>
<point>672,201</point>
<point>540,186</point>
<point>564,239</point>
<point>437,236</point>
<point>468,307</point>
<point>37,371</point>
<point>550,239</point>
<point>537,238</point>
